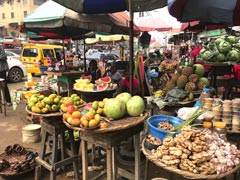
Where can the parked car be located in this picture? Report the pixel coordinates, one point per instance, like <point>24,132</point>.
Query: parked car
<point>12,54</point>
<point>109,57</point>
<point>14,50</point>
<point>17,70</point>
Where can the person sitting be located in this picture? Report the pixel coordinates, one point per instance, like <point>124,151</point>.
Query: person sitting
<point>93,70</point>
<point>126,84</point>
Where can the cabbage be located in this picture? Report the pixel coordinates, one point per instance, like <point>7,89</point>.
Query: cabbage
<point>224,47</point>
<point>207,55</point>
<point>218,40</point>
<point>233,55</point>
<point>231,39</point>
<point>219,57</point>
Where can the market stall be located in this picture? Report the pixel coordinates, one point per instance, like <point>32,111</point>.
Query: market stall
<point>65,79</point>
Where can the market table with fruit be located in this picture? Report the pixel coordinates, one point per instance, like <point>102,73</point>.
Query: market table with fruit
<point>120,121</point>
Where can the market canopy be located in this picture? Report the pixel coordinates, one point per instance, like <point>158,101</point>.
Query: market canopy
<point>152,23</point>
<point>56,21</point>
<point>110,6</point>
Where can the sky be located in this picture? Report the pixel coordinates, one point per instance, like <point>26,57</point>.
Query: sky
<point>164,15</point>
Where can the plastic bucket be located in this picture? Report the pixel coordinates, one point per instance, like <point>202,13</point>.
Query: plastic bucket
<point>153,123</point>
<point>31,133</point>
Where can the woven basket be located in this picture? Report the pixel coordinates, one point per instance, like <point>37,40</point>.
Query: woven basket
<point>14,157</point>
<point>183,173</point>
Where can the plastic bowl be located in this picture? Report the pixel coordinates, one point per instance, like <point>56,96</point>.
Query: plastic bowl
<point>153,125</point>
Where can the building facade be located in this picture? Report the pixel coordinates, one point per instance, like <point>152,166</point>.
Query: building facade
<point>12,13</point>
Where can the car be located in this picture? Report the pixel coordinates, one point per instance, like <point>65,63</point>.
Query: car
<point>14,50</point>
<point>17,70</point>
<point>109,57</point>
<point>12,54</point>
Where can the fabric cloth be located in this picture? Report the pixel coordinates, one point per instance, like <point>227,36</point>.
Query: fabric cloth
<point>194,53</point>
<point>126,85</point>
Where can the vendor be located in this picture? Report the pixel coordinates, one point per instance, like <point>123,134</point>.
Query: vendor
<point>93,70</point>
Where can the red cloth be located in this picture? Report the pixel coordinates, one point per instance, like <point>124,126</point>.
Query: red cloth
<point>195,52</point>
<point>126,85</point>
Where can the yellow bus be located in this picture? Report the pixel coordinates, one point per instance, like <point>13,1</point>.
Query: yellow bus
<point>36,56</point>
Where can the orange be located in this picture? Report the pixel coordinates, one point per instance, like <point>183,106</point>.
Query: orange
<point>90,115</point>
<point>97,117</point>
<point>65,116</point>
<point>92,110</point>
<point>69,119</point>
<point>76,114</point>
<point>63,108</point>
<point>75,122</point>
<point>103,125</point>
<point>84,123</point>
<point>99,111</point>
<point>92,123</point>
<point>68,102</point>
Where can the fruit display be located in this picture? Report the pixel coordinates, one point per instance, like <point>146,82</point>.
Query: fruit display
<point>83,84</point>
<point>101,84</point>
<point>198,151</point>
<point>53,103</point>
<point>122,104</point>
<point>223,49</point>
<point>88,117</point>
<point>100,113</point>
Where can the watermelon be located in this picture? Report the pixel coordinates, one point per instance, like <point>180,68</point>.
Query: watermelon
<point>105,80</point>
<point>89,77</point>
<point>102,87</point>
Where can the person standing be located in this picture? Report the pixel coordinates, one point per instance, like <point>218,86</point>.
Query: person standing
<point>3,74</point>
<point>93,70</point>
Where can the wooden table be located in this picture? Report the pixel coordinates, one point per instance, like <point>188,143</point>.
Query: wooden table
<point>65,79</point>
<point>109,138</point>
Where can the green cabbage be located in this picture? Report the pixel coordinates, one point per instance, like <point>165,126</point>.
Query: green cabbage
<point>231,39</point>
<point>218,40</point>
<point>233,55</point>
<point>219,57</point>
<point>224,47</point>
<point>207,55</point>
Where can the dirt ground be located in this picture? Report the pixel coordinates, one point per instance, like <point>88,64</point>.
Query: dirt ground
<point>11,133</point>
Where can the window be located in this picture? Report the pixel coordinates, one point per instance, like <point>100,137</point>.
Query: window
<point>30,52</point>
<point>3,16</point>
<point>12,15</point>
<point>25,13</point>
<point>39,2</point>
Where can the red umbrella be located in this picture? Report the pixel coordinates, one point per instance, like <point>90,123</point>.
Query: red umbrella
<point>153,23</point>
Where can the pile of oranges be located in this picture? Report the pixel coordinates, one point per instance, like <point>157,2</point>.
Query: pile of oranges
<point>88,117</point>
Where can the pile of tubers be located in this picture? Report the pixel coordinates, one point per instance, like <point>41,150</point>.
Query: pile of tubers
<point>198,151</point>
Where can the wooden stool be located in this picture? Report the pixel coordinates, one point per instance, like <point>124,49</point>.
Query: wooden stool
<point>53,126</point>
<point>3,104</point>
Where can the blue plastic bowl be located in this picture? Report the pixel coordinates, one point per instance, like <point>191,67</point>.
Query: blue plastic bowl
<point>153,125</point>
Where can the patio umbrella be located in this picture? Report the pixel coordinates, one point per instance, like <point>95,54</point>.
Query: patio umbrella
<point>55,21</point>
<point>152,23</point>
<point>110,6</point>
<point>106,6</point>
<point>207,11</point>
<point>64,23</point>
